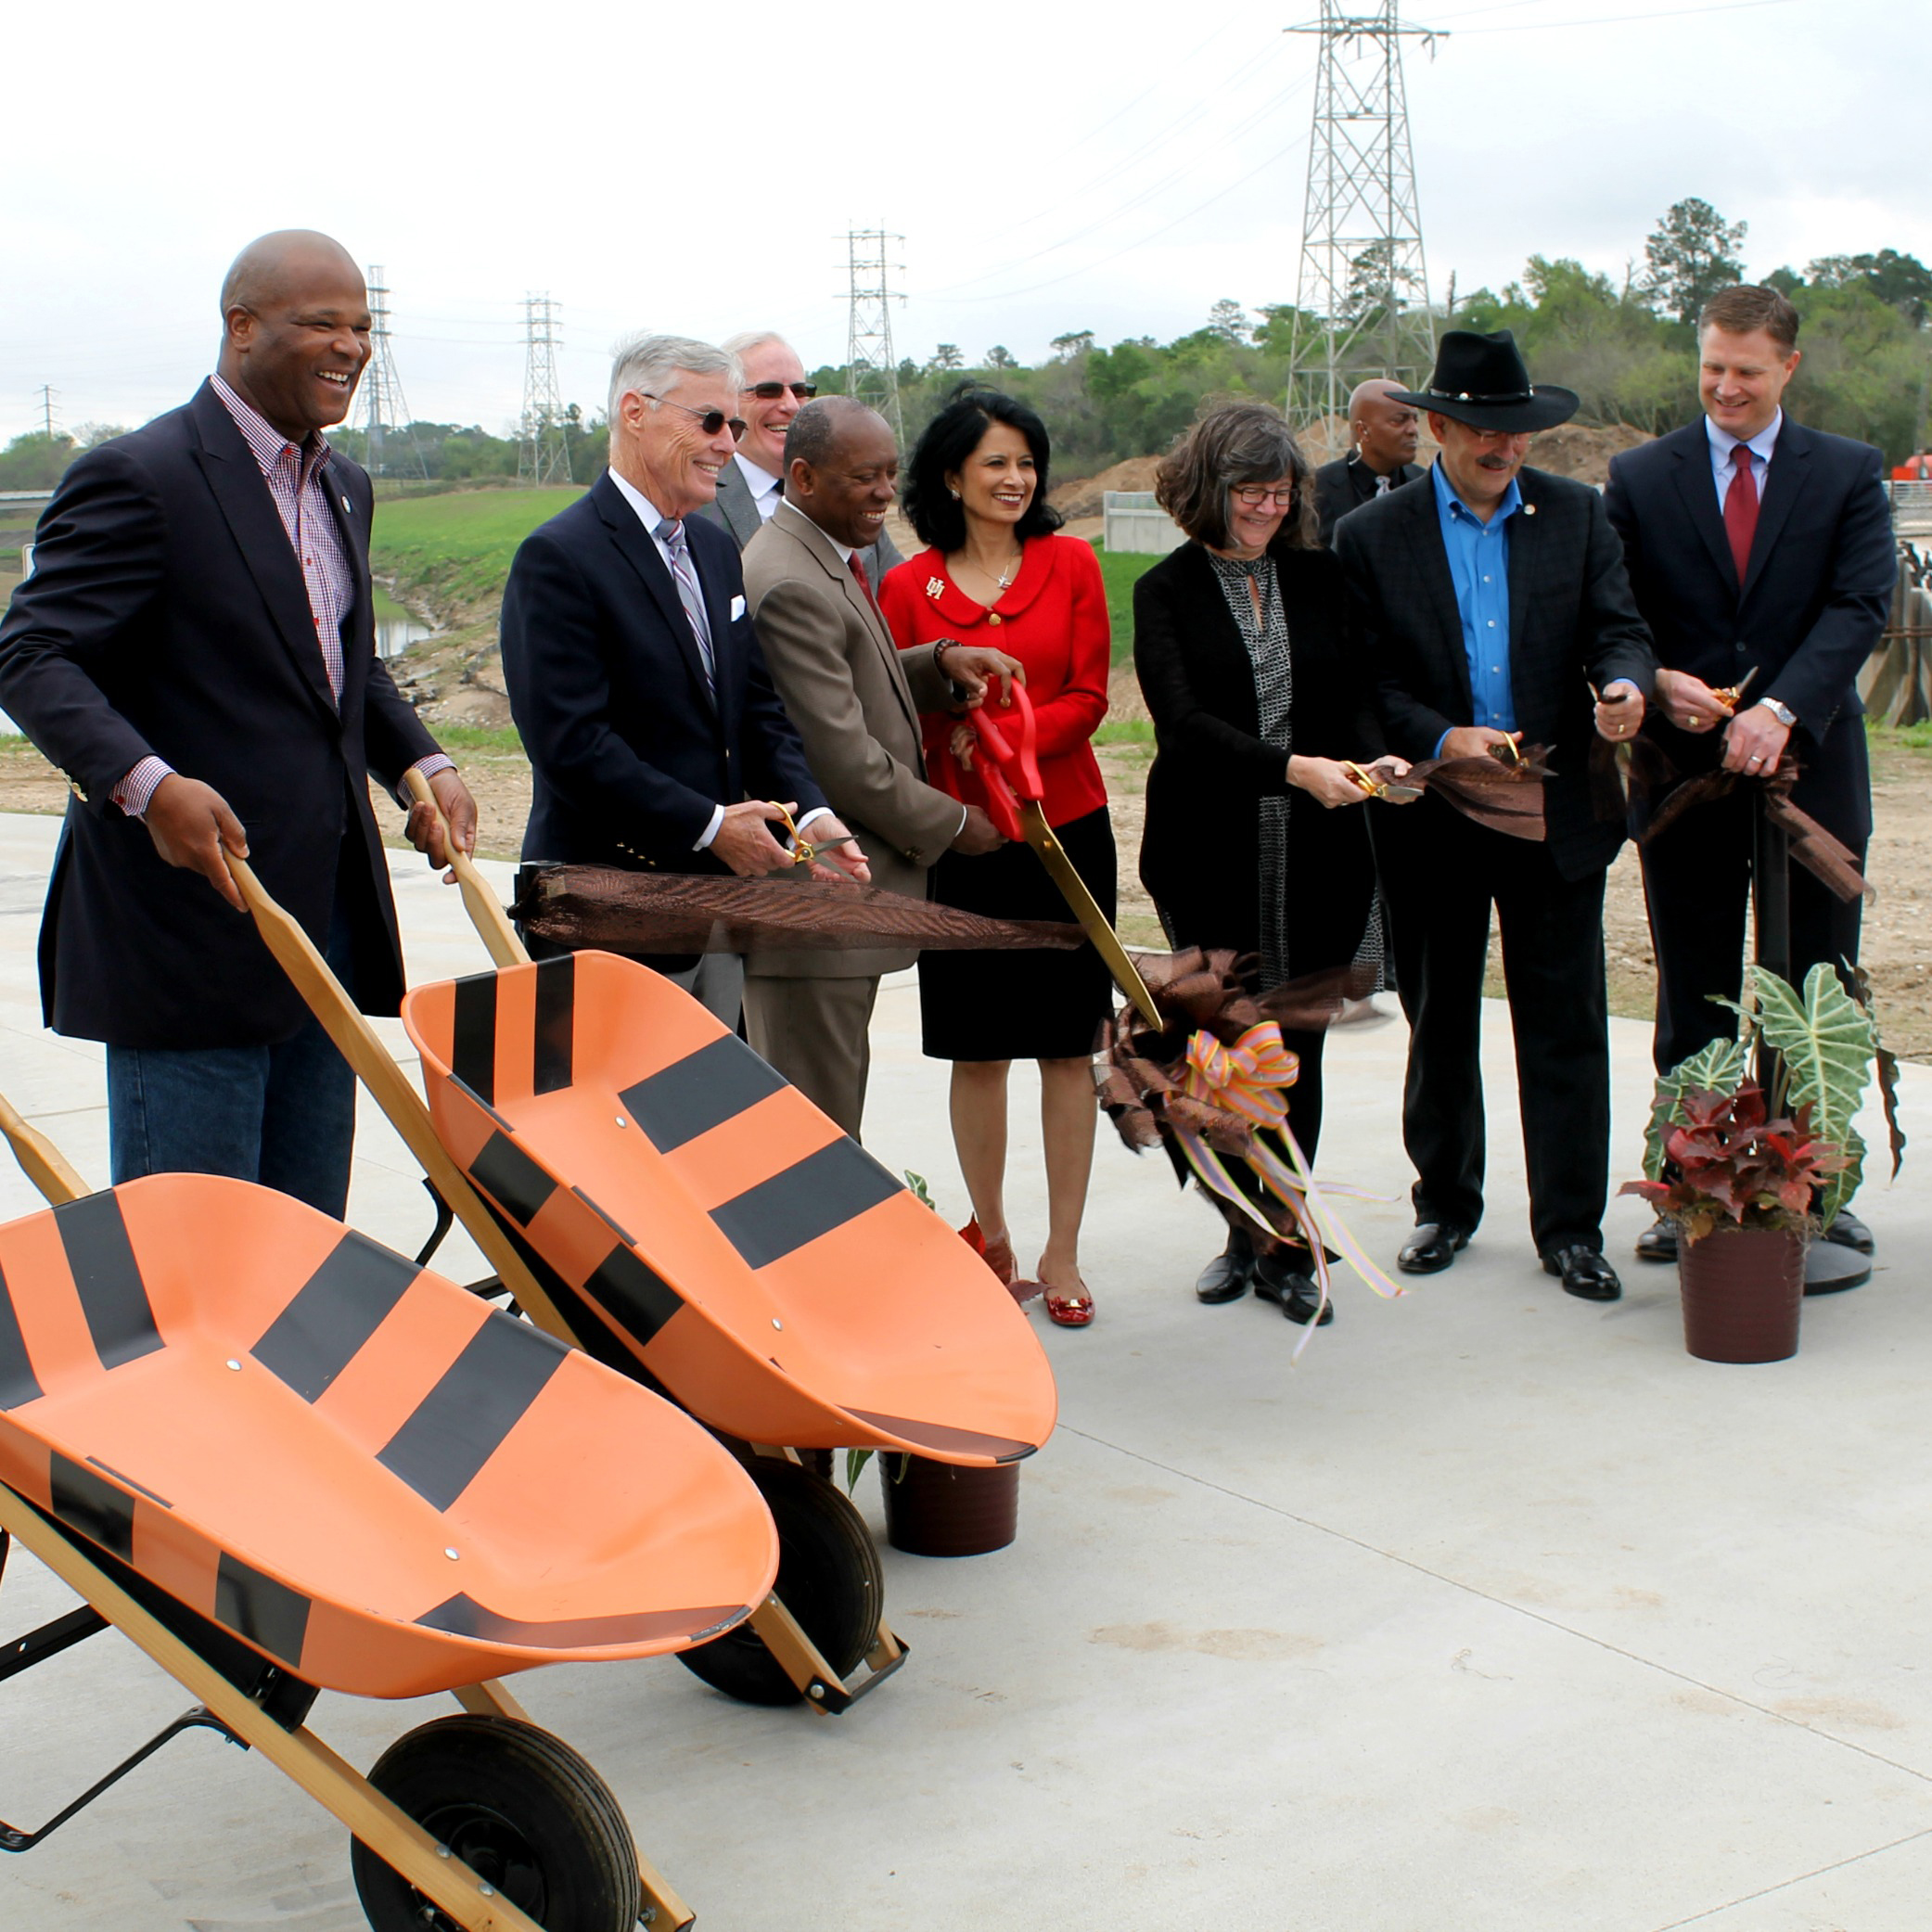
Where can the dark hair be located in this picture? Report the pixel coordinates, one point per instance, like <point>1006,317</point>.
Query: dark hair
<point>1241,442</point>
<point>944,445</point>
<point>1745,307</point>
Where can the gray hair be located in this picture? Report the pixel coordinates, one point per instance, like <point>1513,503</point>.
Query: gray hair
<point>651,365</point>
<point>746,341</point>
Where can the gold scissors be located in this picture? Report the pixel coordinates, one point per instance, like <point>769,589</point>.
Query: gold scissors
<point>803,852</point>
<point>1377,786</point>
<point>1730,694</point>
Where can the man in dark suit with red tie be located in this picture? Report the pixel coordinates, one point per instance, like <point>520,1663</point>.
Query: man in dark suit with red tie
<point>636,677</point>
<point>196,650</point>
<point>1758,549</point>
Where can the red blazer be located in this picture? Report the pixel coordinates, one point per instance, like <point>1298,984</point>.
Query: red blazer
<point>1053,620</point>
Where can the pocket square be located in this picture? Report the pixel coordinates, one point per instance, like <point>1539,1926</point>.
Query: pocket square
<point>738,609</point>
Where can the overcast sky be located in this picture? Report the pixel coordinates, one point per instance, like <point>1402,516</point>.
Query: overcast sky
<point>1116,166</point>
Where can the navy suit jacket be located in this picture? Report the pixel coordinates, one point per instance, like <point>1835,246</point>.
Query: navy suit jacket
<point>1571,625</point>
<point>166,614</point>
<point>629,752</point>
<point>1809,611</point>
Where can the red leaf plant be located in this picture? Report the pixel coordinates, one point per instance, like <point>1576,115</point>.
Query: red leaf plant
<point>1729,1163</point>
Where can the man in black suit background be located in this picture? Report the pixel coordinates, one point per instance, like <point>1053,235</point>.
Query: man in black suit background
<point>1386,431</point>
<point>195,651</point>
<point>772,389</point>
<point>654,735</point>
<point>1494,599</point>
<point>1756,548</point>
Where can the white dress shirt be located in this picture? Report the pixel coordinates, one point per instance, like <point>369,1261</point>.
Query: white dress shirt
<point>1761,445</point>
<point>767,491</point>
<point>650,515</point>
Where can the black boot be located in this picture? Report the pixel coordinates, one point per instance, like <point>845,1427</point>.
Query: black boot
<point>1226,1277</point>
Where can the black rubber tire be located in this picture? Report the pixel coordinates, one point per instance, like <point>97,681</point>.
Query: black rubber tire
<point>828,1578</point>
<point>522,1810</point>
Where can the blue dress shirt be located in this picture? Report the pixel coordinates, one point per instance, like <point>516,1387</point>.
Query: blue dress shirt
<point>1478,566</point>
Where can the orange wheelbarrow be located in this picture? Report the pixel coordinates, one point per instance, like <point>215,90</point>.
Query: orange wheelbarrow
<point>651,1190</point>
<point>281,1459</point>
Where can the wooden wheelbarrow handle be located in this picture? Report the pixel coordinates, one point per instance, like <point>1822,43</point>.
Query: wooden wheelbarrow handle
<point>1014,791</point>
<point>40,1160</point>
<point>486,912</point>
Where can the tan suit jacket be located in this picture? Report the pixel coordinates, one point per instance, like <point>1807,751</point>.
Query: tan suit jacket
<point>854,698</point>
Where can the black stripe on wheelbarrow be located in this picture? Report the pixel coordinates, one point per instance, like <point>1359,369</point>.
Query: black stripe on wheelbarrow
<point>334,1313</point>
<point>463,1616</point>
<point>511,1178</point>
<point>465,1419</point>
<point>807,1199</point>
<point>473,1034</point>
<point>101,1512</point>
<point>637,1299</point>
<point>17,1385</point>
<point>113,1296</point>
<point>699,1092</point>
<point>941,1438</point>
<point>550,1067</point>
<point>268,1614</point>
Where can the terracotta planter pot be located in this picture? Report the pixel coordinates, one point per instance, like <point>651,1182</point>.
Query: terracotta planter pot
<point>936,1509</point>
<point>1742,1288</point>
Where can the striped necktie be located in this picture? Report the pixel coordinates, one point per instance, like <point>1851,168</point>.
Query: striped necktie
<point>671,533</point>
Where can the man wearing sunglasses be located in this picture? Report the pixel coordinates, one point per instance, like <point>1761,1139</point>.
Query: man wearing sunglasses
<point>654,735</point>
<point>774,390</point>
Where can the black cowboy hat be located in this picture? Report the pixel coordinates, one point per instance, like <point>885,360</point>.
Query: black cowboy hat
<point>1483,381</point>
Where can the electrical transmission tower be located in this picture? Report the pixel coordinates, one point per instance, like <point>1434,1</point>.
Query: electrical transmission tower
<point>384,409</point>
<point>47,393</point>
<point>1363,297</point>
<point>543,455</point>
<point>871,368</point>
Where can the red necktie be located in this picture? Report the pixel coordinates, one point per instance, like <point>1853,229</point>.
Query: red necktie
<point>1741,511</point>
<point>864,585</point>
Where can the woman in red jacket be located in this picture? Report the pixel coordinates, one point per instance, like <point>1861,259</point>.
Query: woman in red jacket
<point>995,573</point>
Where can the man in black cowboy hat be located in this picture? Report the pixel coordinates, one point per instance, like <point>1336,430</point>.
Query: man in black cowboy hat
<point>1494,602</point>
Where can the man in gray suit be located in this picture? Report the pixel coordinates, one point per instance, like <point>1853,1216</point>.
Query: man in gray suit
<point>854,698</point>
<point>748,487</point>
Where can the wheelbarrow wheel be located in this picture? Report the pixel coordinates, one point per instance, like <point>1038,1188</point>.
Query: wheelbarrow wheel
<point>828,1578</point>
<point>522,1810</point>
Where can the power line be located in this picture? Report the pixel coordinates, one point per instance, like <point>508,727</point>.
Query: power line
<point>543,455</point>
<point>382,390</point>
<point>1362,294</point>
<point>871,368</point>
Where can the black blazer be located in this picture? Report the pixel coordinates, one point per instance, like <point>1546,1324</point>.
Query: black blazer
<point>629,752</point>
<point>1572,624</point>
<point>1813,602</point>
<point>167,615</point>
<point>1200,849</point>
<point>1347,484</point>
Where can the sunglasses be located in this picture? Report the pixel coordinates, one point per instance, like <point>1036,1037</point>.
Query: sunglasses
<point>771,392</point>
<point>710,420</point>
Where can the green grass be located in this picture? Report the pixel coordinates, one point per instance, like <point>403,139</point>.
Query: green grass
<point>1125,731</point>
<point>1121,571</point>
<point>1914,738</point>
<point>478,737</point>
<point>457,548</point>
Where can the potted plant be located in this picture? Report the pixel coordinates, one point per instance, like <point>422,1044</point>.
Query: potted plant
<point>1746,1176</point>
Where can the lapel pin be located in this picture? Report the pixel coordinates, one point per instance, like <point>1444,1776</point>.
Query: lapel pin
<point>348,508</point>
<point>1530,509</point>
<point>934,586</point>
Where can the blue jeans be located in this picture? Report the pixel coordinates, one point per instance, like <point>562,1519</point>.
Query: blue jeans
<point>283,1115</point>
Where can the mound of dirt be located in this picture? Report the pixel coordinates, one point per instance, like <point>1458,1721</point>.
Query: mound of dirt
<point>1584,450</point>
<point>1082,496</point>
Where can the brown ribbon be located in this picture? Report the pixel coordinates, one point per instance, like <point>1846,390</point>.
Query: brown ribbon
<point>1822,854</point>
<point>1507,798</point>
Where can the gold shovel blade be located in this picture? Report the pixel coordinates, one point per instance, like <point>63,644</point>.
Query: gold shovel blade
<point>1073,889</point>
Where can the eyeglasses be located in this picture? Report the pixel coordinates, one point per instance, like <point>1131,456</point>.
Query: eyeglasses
<point>1253,495</point>
<point>710,420</point>
<point>771,392</point>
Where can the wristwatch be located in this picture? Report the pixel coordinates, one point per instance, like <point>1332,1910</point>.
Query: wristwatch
<point>1782,713</point>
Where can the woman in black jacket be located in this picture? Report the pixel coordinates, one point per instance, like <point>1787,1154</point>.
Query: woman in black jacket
<point>1241,644</point>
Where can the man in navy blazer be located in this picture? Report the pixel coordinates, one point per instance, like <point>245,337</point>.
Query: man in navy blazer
<point>1756,548</point>
<point>195,649</point>
<point>654,735</point>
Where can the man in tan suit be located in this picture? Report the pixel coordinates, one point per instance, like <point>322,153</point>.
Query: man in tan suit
<point>855,700</point>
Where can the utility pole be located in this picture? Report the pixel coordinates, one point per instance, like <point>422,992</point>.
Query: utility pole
<point>383,406</point>
<point>1362,297</point>
<point>47,393</point>
<point>543,455</point>
<point>871,368</point>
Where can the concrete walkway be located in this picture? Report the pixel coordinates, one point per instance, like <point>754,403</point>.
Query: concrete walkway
<point>1499,1614</point>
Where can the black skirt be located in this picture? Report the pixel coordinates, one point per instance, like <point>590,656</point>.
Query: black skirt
<point>1045,1006</point>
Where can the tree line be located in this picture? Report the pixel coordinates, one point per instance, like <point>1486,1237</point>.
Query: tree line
<point>1627,348</point>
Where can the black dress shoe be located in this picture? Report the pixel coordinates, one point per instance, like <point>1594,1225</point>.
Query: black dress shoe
<point>1277,1279</point>
<point>1226,1277</point>
<point>1585,1273</point>
<point>1657,1243</point>
<point>1431,1247</point>
<point>1848,1230</point>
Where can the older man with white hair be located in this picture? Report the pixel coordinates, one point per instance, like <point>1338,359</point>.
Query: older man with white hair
<point>654,735</point>
<point>772,389</point>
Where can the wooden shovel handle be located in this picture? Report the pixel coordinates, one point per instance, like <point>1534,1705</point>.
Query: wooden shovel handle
<point>486,912</point>
<point>40,1160</point>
